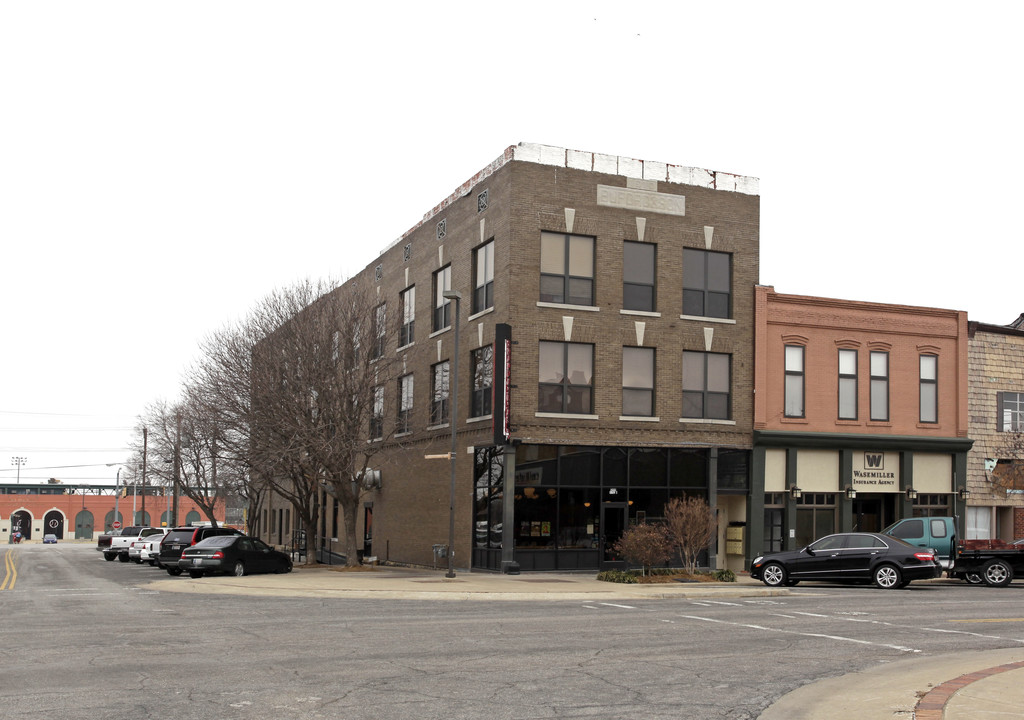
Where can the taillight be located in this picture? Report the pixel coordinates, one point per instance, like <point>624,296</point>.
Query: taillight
<point>218,555</point>
<point>925,556</point>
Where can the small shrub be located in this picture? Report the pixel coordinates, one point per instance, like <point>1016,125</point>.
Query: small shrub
<point>724,575</point>
<point>644,545</point>
<point>617,576</point>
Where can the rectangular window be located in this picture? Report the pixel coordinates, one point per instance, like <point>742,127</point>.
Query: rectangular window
<point>483,277</point>
<point>880,386</point>
<point>847,384</point>
<point>408,299</point>
<point>707,283</point>
<point>638,273</point>
<point>566,378</point>
<point>794,400</point>
<point>1011,412</point>
<point>442,305</point>
<point>566,269</point>
<point>380,330</point>
<point>377,417</point>
<point>405,388</point>
<point>482,377</point>
<point>439,393</point>
<point>706,385</point>
<point>638,381</point>
<point>929,388</point>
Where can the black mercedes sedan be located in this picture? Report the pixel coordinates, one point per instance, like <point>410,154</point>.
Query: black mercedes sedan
<point>233,555</point>
<point>857,557</point>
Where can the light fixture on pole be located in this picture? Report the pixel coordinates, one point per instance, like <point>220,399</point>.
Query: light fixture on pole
<point>796,492</point>
<point>19,461</point>
<point>453,383</point>
<point>850,492</point>
<point>911,494</point>
<point>964,493</point>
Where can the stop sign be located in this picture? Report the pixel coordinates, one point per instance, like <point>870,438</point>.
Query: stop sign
<point>116,524</point>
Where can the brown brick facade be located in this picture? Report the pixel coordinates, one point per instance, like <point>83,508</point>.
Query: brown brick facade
<point>530,190</point>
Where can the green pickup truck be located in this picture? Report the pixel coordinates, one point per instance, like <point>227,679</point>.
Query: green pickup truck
<point>937,533</point>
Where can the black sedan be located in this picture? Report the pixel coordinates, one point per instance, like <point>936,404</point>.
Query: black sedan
<point>233,555</point>
<point>886,561</point>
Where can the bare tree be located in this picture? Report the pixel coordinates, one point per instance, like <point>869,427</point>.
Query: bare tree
<point>690,524</point>
<point>299,380</point>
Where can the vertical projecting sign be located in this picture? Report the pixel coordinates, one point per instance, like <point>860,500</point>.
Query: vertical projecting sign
<point>501,386</point>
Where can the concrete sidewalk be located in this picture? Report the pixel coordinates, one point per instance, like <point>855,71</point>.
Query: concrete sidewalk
<point>964,686</point>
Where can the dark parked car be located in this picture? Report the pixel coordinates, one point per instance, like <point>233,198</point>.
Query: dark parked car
<point>235,555</point>
<point>886,561</point>
<point>180,538</point>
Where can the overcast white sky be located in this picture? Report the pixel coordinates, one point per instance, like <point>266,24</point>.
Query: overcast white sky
<point>165,165</point>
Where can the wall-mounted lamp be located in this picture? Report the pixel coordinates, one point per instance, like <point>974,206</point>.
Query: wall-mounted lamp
<point>911,493</point>
<point>850,492</point>
<point>964,493</point>
<point>796,493</point>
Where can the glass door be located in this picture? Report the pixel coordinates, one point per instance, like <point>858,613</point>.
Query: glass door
<point>613,524</point>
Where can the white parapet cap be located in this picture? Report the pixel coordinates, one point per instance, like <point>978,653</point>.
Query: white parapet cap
<point>600,163</point>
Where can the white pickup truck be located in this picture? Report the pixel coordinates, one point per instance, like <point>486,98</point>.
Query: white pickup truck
<point>119,544</point>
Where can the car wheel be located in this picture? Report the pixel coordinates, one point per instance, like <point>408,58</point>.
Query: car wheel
<point>109,557</point>
<point>195,574</point>
<point>887,576</point>
<point>174,571</point>
<point>996,573</point>
<point>239,569</point>
<point>773,575</point>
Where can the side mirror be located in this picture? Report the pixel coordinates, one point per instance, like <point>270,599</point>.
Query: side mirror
<point>809,550</point>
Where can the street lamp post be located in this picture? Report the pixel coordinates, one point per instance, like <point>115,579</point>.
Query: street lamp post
<point>456,296</point>
<point>19,461</point>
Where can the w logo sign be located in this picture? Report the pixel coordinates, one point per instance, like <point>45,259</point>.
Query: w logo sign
<point>873,461</point>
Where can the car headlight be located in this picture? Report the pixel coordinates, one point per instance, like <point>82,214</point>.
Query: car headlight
<point>758,559</point>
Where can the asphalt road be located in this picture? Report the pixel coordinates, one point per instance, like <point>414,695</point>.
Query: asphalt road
<point>87,638</point>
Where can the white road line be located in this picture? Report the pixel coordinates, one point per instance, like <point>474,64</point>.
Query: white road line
<point>803,634</point>
<point>627,607</point>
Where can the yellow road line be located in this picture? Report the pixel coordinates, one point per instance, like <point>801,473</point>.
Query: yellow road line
<point>10,571</point>
<point>989,620</point>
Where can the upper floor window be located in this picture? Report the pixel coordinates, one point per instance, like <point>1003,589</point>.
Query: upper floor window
<point>483,277</point>
<point>482,377</point>
<point>1011,412</point>
<point>407,333</point>
<point>405,391</point>
<point>929,365</point>
<point>879,386</point>
<point>566,378</point>
<point>847,384</point>
<point>638,381</point>
<point>442,305</point>
<point>638,273</point>
<point>794,384</point>
<point>439,394</point>
<point>566,269</point>
<point>377,416</point>
<point>706,385</point>
<point>380,330</point>
<point>707,283</point>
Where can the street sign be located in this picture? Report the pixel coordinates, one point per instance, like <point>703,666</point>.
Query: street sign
<point>116,524</point>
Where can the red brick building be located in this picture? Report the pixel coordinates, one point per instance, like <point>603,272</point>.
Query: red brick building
<point>80,512</point>
<point>860,416</point>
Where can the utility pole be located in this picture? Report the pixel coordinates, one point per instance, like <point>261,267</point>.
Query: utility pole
<point>145,449</point>
<point>177,469</point>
